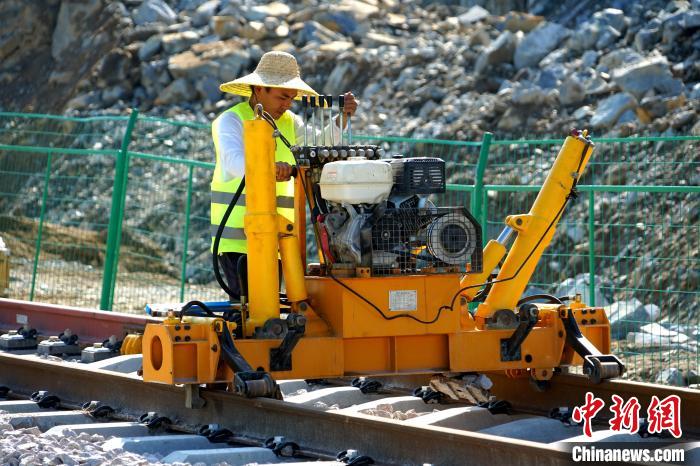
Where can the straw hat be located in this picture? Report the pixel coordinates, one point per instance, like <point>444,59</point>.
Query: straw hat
<point>276,69</point>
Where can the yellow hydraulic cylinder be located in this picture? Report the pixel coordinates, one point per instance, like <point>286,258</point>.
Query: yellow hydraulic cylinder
<point>292,268</point>
<point>261,224</point>
<point>535,229</point>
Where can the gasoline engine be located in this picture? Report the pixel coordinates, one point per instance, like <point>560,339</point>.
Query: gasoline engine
<point>377,215</point>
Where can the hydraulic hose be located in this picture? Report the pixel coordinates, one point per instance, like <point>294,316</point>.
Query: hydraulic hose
<point>548,297</point>
<point>217,239</point>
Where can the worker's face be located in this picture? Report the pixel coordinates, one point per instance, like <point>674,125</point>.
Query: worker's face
<point>275,101</point>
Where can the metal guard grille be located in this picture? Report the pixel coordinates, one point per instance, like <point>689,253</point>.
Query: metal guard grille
<point>428,240</point>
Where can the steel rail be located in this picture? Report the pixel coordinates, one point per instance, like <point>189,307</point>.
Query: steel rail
<point>386,440</point>
<point>570,390</point>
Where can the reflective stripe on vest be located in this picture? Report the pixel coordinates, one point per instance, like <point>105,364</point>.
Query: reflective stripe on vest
<point>233,237</point>
<point>218,197</point>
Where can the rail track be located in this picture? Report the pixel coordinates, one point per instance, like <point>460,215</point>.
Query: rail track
<point>391,427</point>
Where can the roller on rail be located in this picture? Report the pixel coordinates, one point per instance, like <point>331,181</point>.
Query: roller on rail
<point>401,286</point>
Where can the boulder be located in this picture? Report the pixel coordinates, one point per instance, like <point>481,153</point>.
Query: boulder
<point>650,74</point>
<point>538,43</point>
<point>313,31</point>
<point>254,30</point>
<point>516,21</point>
<point>473,15</point>
<point>178,91</point>
<point>527,93</point>
<point>629,316</point>
<point>610,109</point>
<point>72,17</point>
<point>694,93</point>
<point>223,60</point>
<point>260,12</point>
<point>646,38</point>
<point>150,48</point>
<point>226,26</point>
<point>144,32</point>
<point>178,41</point>
<point>153,11</point>
<point>342,22</point>
<point>341,78</point>
<point>114,67</point>
<point>607,37</point>
<point>671,376</point>
<point>373,40</point>
<point>655,335</point>
<point>204,13</point>
<point>155,76</point>
<point>208,89</point>
<point>612,17</point>
<point>499,51</point>
<point>571,91</point>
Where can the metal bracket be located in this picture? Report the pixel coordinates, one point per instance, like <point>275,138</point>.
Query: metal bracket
<point>596,365</point>
<point>192,398</point>
<point>281,357</point>
<point>510,347</point>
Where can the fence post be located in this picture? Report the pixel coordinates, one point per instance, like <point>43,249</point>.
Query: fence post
<point>478,200</point>
<point>186,234</point>
<point>591,247</point>
<point>116,216</point>
<point>37,247</point>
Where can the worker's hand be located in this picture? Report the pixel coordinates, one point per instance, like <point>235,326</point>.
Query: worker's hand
<point>350,104</point>
<point>283,171</point>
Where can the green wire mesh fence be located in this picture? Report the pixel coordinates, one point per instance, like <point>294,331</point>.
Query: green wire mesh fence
<point>113,212</point>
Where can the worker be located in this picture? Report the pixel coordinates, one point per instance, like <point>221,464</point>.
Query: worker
<point>275,83</point>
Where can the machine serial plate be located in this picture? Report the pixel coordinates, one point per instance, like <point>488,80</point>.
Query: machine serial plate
<point>403,300</point>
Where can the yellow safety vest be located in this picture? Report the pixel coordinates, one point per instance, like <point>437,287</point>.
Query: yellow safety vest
<point>233,238</point>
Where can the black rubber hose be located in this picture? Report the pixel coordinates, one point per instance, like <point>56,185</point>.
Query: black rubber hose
<point>231,356</point>
<point>191,304</point>
<point>217,239</point>
<point>242,269</point>
<point>550,298</point>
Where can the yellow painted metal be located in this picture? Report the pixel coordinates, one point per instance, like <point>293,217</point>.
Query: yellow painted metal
<point>345,334</point>
<point>292,268</point>
<point>182,352</point>
<point>535,229</point>
<point>132,344</point>
<point>171,360</point>
<point>493,253</point>
<point>351,317</point>
<point>261,224</point>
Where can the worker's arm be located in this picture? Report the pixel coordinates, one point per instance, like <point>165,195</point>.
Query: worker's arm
<point>228,139</point>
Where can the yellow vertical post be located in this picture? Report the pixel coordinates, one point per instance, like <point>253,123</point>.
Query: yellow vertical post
<point>260,224</point>
<point>535,229</point>
<point>292,268</point>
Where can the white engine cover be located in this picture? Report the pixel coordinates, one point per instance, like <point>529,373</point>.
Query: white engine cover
<point>356,181</point>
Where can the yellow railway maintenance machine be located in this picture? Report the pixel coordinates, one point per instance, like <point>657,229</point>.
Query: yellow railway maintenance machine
<point>392,290</point>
